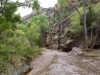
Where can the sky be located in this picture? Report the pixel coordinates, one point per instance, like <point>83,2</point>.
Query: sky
<point>43,3</point>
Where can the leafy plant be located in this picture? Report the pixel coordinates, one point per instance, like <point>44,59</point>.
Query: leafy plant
<point>92,14</point>
<point>63,3</point>
<point>14,50</point>
<point>76,22</point>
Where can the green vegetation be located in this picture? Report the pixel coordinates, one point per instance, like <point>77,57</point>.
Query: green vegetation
<point>19,44</point>
<point>36,5</point>
<point>92,14</point>
<point>35,30</point>
<point>76,22</point>
<point>15,49</point>
<point>64,12</point>
<point>43,24</point>
<point>64,3</point>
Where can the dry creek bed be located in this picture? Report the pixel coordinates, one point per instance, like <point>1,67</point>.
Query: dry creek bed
<point>55,62</point>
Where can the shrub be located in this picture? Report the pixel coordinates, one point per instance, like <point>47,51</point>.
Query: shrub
<point>76,22</point>
<point>92,15</point>
<point>15,50</point>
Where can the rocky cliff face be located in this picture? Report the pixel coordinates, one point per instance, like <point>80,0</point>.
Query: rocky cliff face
<point>49,12</point>
<point>59,32</point>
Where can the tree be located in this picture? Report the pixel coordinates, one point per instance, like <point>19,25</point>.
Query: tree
<point>74,7</point>
<point>36,5</point>
<point>35,30</point>
<point>62,3</point>
<point>14,46</point>
<point>4,5</point>
<point>33,33</point>
<point>8,18</point>
<point>44,24</point>
<point>85,27</point>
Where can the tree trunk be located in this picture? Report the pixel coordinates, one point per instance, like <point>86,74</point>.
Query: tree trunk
<point>43,38</point>
<point>85,28</point>
<point>91,37</point>
<point>95,38</point>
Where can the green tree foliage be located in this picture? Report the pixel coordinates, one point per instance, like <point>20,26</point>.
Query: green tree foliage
<point>8,19</point>
<point>44,24</point>
<point>92,14</point>
<point>8,9</point>
<point>41,21</point>
<point>33,34</point>
<point>35,29</point>
<point>76,22</point>
<point>10,5</point>
<point>22,27</point>
<point>96,12</point>
<point>36,5</point>
<point>63,3</point>
<point>15,45</point>
<point>15,49</point>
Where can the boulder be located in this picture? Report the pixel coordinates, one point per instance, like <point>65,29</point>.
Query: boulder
<point>77,51</point>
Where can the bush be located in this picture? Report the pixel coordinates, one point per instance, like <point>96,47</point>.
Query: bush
<point>92,15</point>
<point>76,22</point>
<point>15,50</point>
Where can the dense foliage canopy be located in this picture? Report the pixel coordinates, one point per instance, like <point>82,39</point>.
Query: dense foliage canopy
<point>17,42</point>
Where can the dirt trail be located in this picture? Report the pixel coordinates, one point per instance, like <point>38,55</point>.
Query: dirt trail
<point>61,63</point>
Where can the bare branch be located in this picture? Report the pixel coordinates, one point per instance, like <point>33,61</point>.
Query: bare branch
<point>4,5</point>
<point>74,7</point>
<point>3,13</point>
<point>1,3</point>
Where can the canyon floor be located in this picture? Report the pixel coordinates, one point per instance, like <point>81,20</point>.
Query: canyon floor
<point>54,62</point>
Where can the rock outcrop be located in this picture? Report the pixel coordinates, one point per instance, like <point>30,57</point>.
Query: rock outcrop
<point>49,12</point>
<point>57,35</point>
